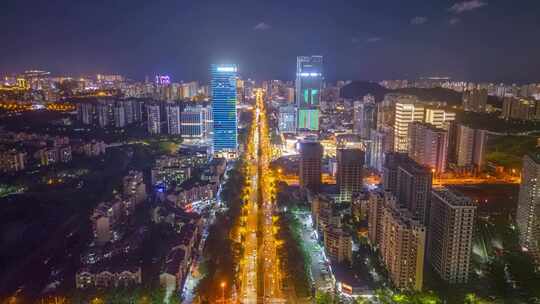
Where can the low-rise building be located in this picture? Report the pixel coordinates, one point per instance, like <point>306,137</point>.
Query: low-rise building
<point>108,278</point>
<point>12,161</point>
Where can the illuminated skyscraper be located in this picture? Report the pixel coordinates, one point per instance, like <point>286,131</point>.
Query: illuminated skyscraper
<point>309,82</point>
<point>224,108</point>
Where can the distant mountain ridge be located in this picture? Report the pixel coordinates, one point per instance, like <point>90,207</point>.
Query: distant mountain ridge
<point>358,89</point>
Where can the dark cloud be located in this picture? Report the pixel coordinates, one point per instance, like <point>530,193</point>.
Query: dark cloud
<point>466,6</point>
<point>262,26</point>
<point>419,20</point>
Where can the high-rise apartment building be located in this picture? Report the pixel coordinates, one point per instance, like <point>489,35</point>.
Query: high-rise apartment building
<point>85,112</point>
<point>375,206</point>
<point>410,182</point>
<point>119,115</point>
<point>390,170</point>
<point>310,165</point>
<point>337,241</point>
<point>349,172</point>
<point>475,100</point>
<point>173,119</point>
<point>382,142</point>
<point>428,146</point>
<point>406,113</point>
<point>470,148</point>
<point>365,116</point>
<point>309,81</point>
<point>402,246</point>
<point>105,113</point>
<point>528,210</point>
<point>451,228</point>
<point>386,109</point>
<point>224,109</point>
<point>189,90</point>
<point>153,119</point>
<point>520,108</point>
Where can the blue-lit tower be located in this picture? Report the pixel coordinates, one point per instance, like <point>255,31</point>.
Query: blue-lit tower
<point>224,109</point>
<point>309,81</point>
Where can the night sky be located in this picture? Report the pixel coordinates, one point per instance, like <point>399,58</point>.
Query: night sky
<point>479,40</point>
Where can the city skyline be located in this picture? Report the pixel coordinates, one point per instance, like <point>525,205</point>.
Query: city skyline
<point>235,152</point>
<point>359,41</point>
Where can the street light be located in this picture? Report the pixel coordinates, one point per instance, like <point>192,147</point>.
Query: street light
<point>223,292</point>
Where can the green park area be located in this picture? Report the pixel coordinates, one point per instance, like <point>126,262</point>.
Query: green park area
<point>508,151</point>
<point>492,123</point>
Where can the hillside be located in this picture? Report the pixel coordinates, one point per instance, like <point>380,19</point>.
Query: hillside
<point>357,89</point>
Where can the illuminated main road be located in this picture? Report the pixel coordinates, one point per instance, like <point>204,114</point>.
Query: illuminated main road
<point>260,271</point>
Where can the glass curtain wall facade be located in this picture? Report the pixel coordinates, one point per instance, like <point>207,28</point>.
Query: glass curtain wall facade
<point>309,81</point>
<point>224,108</point>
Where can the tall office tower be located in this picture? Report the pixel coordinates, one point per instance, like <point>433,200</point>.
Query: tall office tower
<point>309,82</point>
<point>410,182</point>
<point>365,116</point>
<point>402,246</point>
<point>382,142</point>
<point>405,114</point>
<point>375,207</point>
<point>471,145</point>
<point>451,227</point>
<point>224,109</point>
<point>349,172</point>
<point>287,119</point>
<point>428,146</point>
<point>154,119</point>
<point>439,117</point>
<point>475,100</point>
<point>310,165</point>
<point>192,122</point>
<point>528,210</point>
<point>119,115</point>
<point>173,119</point>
